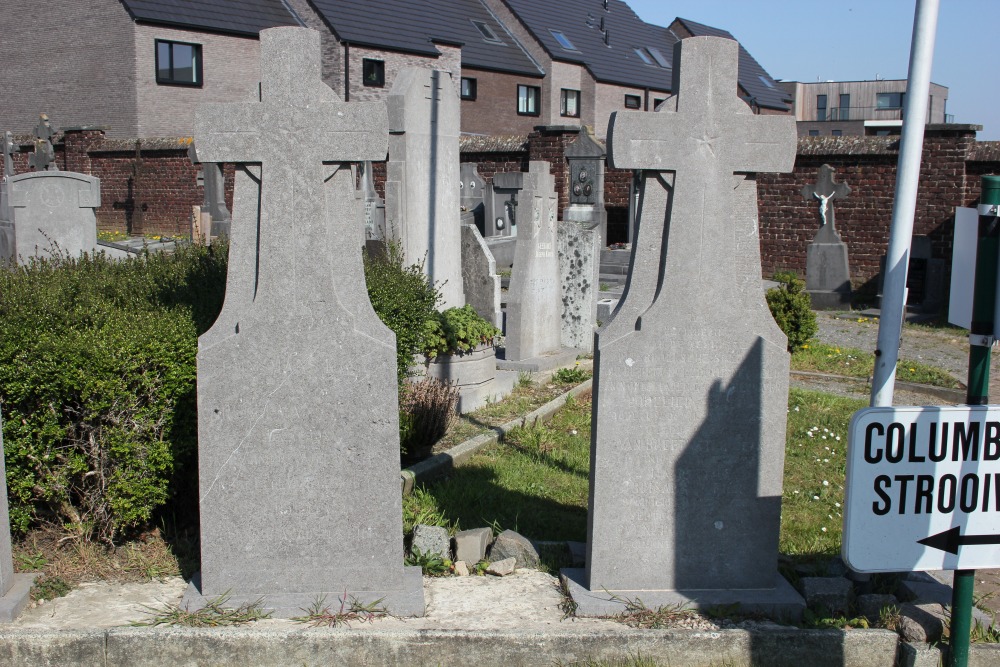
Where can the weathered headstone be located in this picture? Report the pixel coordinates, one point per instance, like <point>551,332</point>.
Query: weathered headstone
<point>828,278</point>
<point>54,211</point>
<point>7,242</point>
<point>534,298</point>
<point>422,177</point>
<point>15,589</point>
<point>374,206</point>
<point>213,183</point>
<point>43,159</point>
<point>691,384</point>
<point>297,401</point>
<point>473,189</point>
<point>578,270</point>
<point>479,275</point>
<point>586,184</point>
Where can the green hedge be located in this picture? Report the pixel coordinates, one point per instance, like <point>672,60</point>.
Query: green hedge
<point>792,309</point>
<point>97,382</point>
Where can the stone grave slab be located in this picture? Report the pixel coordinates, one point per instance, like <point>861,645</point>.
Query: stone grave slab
<point>479,275</point>
<point>374,206</point>
<point>15,589</point>
<point>473,191</point>
<point>298,412</point>
<point>422,177</point>
<point>53,211</point>
<point>690,385</point>
<point>7,248</point>
<point>828,276</point>
<point>578,270</point>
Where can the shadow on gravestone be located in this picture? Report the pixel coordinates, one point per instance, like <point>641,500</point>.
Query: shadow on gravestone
<point>691,386</point>
<point>297,400</point>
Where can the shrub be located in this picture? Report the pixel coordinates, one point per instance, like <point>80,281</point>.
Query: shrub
<point>404,299</point>
<point>791,308</point>
<point>426,410</point>
<point>457,330</point>
<point>97,374</point>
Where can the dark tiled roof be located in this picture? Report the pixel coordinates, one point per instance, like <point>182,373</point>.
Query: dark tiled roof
<point>580,22</point>
<point>244,17</point>
<point>410,25</point>
<point>752,77</point>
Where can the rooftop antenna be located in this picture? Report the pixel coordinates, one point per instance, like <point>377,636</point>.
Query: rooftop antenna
<point>607,38</point>
<point>606,5</point>
<point>602,24</point>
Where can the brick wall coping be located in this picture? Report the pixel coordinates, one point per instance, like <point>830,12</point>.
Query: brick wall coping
<point>498,144</point>
<point>985,151</point>
<point>848,145</point>
<point>152,144</point>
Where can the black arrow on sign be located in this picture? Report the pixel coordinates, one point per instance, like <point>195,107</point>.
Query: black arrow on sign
<point>951,539</point>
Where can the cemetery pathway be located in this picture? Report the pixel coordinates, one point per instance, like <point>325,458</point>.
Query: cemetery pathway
<point>946,348</point>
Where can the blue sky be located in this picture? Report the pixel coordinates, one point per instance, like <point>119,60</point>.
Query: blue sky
<point>850,40</point>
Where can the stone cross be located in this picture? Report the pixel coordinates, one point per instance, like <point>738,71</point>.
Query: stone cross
<point>44,156</point>
<point>826,191</point>
<point>690,391</point>
<point>297,400</point>
<point>8,159</point>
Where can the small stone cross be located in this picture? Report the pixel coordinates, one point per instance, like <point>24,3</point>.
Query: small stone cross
<point>826,190</point>
<point>8,159</point>
<point>298,125</point>
<point>44,156</point>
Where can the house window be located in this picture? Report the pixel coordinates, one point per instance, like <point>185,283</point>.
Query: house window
<point>837,133</point>
<point>889,101</point>
<point>569,103</point>
<point>178,63</point>
<point>821,107</point>
<point>486,32</point>
<point>813,133</point>
<point>563,40</point>
<point>373,72</point>
<point>845,107</point>
<point>633,102</point>
<point>528,100</point>
<point>468,88</point>
<point>657,101</point>
<point>643,57</point>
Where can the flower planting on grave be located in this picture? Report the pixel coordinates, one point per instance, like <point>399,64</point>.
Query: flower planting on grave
<point>97,369</point>
<point>457,330</point>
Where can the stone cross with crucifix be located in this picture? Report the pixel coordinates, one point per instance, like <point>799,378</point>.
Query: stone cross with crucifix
<point>43,159</point>
<point>826,190</point>
<point>297,401</point>
<point>691,373</point>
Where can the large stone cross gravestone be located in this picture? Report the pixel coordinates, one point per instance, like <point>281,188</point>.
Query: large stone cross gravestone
<point>691,373</point>
<point>828,275</point>
<point>297,403</point>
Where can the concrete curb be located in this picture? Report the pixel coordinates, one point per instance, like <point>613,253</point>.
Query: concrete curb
<point>954,395</point>
<point>249,647</point>
<point>439,464</point>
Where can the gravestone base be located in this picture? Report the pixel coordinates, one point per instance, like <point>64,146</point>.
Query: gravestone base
<point>543,362</point>
<point>782,602</point>
<point>828,278</point>
<point>17,597</point>
<point>472,398</point>
<point>474,373</point>
<point>406,602</point>
<point>830,300</point>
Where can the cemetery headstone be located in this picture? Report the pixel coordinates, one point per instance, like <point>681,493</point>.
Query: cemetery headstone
<point>473,189</point>
<point>479,275</point>
<point>578,270</point>
<point>43,159</point>
<point>374,206</point>
<point>828,277</point>
<point>213,183</point>
<point>298,434</point>
<point>15,589</point>
<point>586,187</point>
<point>7,243</point>
<point>54,211</point>
<point>534,298</point>
<point>690,387</point>
<point>422,177</point>
<point>500,202</point>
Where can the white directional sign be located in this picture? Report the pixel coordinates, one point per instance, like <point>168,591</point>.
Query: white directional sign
<point>923,489</point>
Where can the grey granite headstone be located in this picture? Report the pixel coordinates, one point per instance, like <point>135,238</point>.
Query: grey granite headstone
<point>15,589</point>
<point>374,206</point>
<point>534,298</point>
<point>579,265</point>
<point>828,276</point>
<point>691,384</point>
<point>585,156</point>
<point>8,155</point>
<point>53,212</point>
<point>501,204</point>
<point>7,242</point>
<point>298,435</point>
<point>422,177</point>
<point>479,275</point>
<point>43,159</point>
<point>213,182</point>
<point>472,189</point>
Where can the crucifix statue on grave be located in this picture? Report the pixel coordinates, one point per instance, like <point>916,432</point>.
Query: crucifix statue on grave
<point>43,159</point>
<point>8,155</point>
<point>826,190</point>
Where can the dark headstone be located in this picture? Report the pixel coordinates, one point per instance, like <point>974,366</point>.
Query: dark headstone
<point>828,278</point>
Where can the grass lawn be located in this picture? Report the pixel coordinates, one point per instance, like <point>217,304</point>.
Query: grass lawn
<point>853,362</point>
<point>536,482</point>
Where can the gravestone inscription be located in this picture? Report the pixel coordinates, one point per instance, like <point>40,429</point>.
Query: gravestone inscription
<point>828,276</point>
<point>297,401</point>
<point>690,386</point>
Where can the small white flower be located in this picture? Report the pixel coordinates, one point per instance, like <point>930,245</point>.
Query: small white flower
<point>826,483</point>
<point>823,529</point>
<point>826,460</point>
<point>836,504</point>
<point>815,497</point>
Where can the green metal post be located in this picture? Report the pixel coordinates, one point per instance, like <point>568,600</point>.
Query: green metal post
<point>981,339</point>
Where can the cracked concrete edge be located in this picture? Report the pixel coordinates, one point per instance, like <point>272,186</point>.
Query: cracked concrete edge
<point>248,647</point>
<point>438,464</point>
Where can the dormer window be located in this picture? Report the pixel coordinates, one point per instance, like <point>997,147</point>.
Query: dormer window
<point>643,56</point>
<point>486,32</point>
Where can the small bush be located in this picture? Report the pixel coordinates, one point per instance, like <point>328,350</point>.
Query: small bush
<point>573,375</point>
<point>97,374</point>
<point>792,310</point>
<point>403,298</point>
<point>426,409</point>
<point>457,330</point>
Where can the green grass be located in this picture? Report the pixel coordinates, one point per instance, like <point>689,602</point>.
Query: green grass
<point>822,358</point>
<point>537,481</point>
